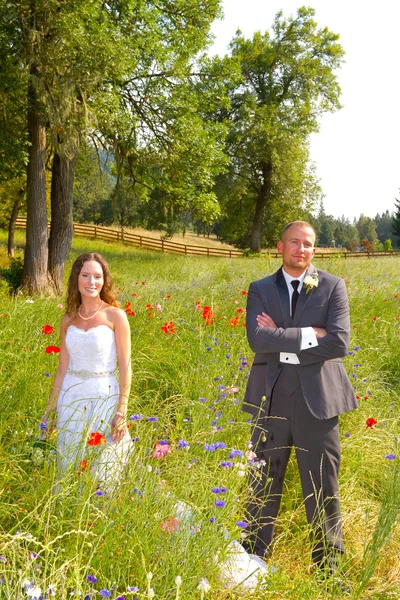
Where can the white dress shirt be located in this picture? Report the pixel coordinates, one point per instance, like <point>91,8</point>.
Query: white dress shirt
<point>308,337</point>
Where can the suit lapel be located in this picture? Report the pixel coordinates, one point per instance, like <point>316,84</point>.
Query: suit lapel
<point>283,296</point>
<point>304,298</point>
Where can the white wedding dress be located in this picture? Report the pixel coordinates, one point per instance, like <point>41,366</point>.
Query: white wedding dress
<point>87,404</point>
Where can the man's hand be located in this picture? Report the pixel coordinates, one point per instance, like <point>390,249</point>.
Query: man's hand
<point>320,332</point>
<point>264,320</point>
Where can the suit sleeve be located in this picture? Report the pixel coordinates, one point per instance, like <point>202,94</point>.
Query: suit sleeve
<point>336,343</point>
<point>266,339</point>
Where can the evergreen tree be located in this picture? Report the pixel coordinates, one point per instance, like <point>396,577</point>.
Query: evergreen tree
<point>396,222</point>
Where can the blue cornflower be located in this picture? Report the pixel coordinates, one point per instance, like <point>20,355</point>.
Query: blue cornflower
<point>105,593</point>
<point>203,399</point>
<point>91,578</point>
<point>136,439</point>
<point>227,356</point>
<point>47,374</point>
<point>356,348</point>
<point>354,375</point>
<point>212,519</point>
<point>390,456</point>
<point>163,442</point>
<point>347,435</point>
<point>226,463</point>
<point>233,453</point>
<point>221,490</point>
<point>221,387</point>
<point>135,417</point>
<point>220,503</point>
<point>357,365</point>
<point>242,524</point>
<point>120,598</point>
<point>99,493</point>
<point>209,447</point>
<point>183,444</point>
<point>132,588</point>
<point>153,419</point>
<point>43,426</point>
<point>214,422</point>
<point>220,445</point>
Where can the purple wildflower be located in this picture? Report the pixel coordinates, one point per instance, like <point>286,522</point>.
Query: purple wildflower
<point>221,490</point>
<point>153,419</point>
<point>390,456</point>
<point>91,578</point>
<point>183,444</point>
<point>242,524</point>
<point>227,464</point>
<point>233,453</point>
<point>105,593</point>
<point>99,493</point>
<point>212,519</point>
<point>135,417</point>
<point>220,503</point>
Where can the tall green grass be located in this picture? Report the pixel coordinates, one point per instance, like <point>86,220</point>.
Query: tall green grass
<point>51,535</point>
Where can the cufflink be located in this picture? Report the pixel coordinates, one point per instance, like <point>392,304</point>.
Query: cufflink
<point>310,343</point>
<point>287,358</point>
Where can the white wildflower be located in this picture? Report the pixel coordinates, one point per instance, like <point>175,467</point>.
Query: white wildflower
<point>204,586</point>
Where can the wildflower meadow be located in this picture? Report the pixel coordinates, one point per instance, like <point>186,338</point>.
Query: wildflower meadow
<point>167,528</point>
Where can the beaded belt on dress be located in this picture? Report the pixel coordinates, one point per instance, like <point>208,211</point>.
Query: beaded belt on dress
<point>83,374</point>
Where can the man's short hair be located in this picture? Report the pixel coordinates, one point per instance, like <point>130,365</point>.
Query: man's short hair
<point>303,223</point>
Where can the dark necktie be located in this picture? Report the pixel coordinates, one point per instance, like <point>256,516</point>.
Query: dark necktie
<point>295,283</point>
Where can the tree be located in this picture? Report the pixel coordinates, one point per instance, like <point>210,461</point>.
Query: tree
<point>396,221</point>
<point>287,82</point>
<point>366,230</point>
<point>383,226</point>
<point>76,62</point>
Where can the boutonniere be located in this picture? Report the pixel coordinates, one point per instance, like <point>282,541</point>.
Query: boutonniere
<point>311,282</point>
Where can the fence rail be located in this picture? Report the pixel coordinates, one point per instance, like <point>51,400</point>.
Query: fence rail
<point>148,243</point>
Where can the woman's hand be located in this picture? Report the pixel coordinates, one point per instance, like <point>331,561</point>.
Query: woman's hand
<point>118,427</point>
<point>48,424</point>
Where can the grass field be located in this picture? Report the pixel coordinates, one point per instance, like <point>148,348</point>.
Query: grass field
<point>188,381</point>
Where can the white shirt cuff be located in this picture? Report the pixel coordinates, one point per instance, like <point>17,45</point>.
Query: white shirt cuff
<point>308,338</point>
<point>289,358</point>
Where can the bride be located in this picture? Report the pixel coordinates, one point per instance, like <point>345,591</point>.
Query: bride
<point>90,405</point>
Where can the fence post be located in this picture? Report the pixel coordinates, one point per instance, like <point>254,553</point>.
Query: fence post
<point>185,249</point>
<point>162,245</point>
<point>208,251</point>
<point>140,240</point>
<point>95,232</point>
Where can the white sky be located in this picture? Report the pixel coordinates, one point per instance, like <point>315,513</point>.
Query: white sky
<point>357,151</point>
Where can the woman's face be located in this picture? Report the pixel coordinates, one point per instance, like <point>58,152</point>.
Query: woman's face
<point>90,279</point>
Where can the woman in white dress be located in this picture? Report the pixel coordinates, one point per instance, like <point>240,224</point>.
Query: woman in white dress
<point>90,405</point>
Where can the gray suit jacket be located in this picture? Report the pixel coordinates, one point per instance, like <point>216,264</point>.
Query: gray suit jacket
<point>321,375</point>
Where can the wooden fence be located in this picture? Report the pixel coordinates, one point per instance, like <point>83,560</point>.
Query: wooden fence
<point>106,233</point>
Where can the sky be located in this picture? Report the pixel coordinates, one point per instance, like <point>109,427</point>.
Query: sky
<point>357,150</point>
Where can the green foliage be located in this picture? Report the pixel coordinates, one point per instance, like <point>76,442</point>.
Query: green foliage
<point>119,538</point>
<point>287,80</point>
<point>396,222</point>
<point>13,274</point>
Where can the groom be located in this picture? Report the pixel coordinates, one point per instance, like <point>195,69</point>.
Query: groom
<point>298,326</point>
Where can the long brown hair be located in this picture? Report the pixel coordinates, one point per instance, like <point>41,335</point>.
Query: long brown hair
<point>107,293</point>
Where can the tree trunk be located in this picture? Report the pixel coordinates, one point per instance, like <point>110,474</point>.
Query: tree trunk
<point>61,229</point>
<point>13,220</point>
<point>34,278</point>
<point>263,197</point>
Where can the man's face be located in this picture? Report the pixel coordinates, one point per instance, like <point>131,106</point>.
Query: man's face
<point>297,249</point>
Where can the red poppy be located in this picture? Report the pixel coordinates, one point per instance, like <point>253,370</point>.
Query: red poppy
<point>47,329</point>
<point>96,438</point>
<point>133,295</point>
<point>130,313</point>
<point>149,307</point>
<point>358,397</point>
<point>83,466</point>
<point>208,315</point>
<point>52,349</point>
<point>170,525</point>
<point>374,319</point>
<point>234,322</point>
<point>244,293</point>
<point>241,310</point>
<point>168,297</point>
<point>371,422</point>
<point>168,327</point>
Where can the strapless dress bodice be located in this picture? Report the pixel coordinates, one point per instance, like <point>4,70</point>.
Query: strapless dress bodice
<point>93,350</point>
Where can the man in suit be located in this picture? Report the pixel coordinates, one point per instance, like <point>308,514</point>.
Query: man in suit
<point>296,390</point>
